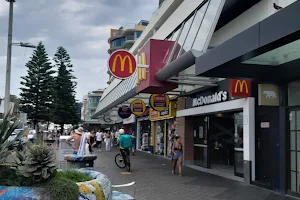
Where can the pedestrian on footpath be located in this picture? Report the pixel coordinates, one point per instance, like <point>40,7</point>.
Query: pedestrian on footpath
<point>99,136</point>
<point>108,140</point>
<point>133,143</point>
<point>91,142</point>
<point>177,155</point>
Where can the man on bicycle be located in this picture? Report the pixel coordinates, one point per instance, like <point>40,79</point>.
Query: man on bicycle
<point>125,142</point>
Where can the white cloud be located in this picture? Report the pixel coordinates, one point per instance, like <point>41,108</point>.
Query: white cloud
<point>81,26</point>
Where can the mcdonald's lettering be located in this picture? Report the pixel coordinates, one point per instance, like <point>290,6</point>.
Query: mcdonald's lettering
<point>240,88</point>
<point>122,64</point>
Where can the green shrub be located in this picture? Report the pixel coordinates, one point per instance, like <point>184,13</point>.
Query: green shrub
<point>73,176</point>
<point>60,189</point>
<point>9,177</point>
<point>6,130</point>
<point>37,163</point>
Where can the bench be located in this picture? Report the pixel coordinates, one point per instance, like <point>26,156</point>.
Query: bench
<point>79,161</point>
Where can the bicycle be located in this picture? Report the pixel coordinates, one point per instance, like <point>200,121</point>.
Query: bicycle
<point>119,160</point>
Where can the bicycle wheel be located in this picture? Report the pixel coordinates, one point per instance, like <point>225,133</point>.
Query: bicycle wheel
<point>119,161</point>
<point>128,163</point>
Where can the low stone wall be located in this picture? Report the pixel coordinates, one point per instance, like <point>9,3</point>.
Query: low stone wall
<point>99,188</point>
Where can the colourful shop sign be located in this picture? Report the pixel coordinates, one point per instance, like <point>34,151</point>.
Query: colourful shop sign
<point>122,64</point>
<point>168,113</point>
<point>138,107</point>
<point>124,112</point>
<point>159,102</point>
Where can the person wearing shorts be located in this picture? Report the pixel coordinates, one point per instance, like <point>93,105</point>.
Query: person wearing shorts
<point>99,136</point>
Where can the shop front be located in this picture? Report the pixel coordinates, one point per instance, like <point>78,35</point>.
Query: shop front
<point>162,126</point>
<point>268,53</point>
<point>143,131</point>
<point>217,127</point>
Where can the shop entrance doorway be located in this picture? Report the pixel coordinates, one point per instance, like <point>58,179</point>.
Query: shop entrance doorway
<point>221,132</point>
<point>219,142</point>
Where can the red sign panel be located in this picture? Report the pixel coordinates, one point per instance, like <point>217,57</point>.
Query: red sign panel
<point>122,64</point>
<point>155,54</point>
<point>240,88</point>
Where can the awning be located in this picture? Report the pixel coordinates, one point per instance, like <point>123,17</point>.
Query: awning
<point>260,51</point>
<point>123,91</point>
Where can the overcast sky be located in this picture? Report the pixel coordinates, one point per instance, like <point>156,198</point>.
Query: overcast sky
<point>81,26</point>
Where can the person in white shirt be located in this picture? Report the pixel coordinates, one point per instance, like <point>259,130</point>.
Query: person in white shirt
<point>99,136</point>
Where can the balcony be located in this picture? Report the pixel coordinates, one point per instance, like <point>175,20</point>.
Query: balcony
<point>128,29</point>
<point>122,43</point>
<point>92,106</point>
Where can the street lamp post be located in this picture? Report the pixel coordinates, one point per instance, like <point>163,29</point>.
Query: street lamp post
<point>8,62</point>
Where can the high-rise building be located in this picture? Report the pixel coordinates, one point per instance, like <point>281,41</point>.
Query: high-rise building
<point>124,38</point>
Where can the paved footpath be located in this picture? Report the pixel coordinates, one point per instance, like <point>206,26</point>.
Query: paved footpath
<point>154,181</point>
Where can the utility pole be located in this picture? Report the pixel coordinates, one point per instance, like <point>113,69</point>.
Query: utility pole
<point>8,62</point>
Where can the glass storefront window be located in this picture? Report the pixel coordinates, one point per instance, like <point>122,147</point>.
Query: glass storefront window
<point>194,29</point>
<point>160,131</point>
<point>294,155</point>
<point>294,94</point>
<point>182,37</point>
<point>145,134</point>
<point>203,36</point>
<point>239,143</point>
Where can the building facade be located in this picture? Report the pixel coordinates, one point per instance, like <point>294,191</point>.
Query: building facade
<point>235,66</point>
<point>90,103</point>
<point>124,38</point>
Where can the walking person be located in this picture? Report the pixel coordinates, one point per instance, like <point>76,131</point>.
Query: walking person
<point>92,141</point>
<point>177,155</point>
<point>133,143</point>
<point>108,140</point>
<point>99,136</point>
<point>57,138</point>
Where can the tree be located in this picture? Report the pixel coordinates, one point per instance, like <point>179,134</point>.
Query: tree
<point>36,92</point>
<point>16,101</point>
<point>64,103</point>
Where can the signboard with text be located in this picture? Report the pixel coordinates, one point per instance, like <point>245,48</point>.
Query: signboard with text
<point>240,88</point>
<point>159,102</point>
<point>137,107</point>
<point>154,54</point>
<point>122,64</point>
<point>124,112</point>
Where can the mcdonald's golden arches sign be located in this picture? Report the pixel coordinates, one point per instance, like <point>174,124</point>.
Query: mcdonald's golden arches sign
<point>240,88</point>
<point>122,64</point>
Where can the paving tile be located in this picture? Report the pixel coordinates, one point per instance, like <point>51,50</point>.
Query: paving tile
<point>154,181</point>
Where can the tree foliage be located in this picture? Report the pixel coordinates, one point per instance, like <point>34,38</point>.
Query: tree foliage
<point>64,90</point>
<point>36,90</point>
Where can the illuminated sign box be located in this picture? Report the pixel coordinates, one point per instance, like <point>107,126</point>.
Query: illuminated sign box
<point>155,54</point>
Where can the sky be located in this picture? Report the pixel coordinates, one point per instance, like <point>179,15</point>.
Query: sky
<point>82,27</point>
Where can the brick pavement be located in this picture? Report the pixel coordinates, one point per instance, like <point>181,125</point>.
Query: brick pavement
<point>154,180</point>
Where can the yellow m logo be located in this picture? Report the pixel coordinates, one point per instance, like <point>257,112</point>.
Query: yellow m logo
<point>122,63</point>
<point>141,75</point>
<point>241,84</point>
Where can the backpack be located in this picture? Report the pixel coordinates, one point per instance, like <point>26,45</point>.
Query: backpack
<point>125,141</point>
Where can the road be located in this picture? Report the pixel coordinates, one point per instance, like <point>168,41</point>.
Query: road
<point>154,180</point>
